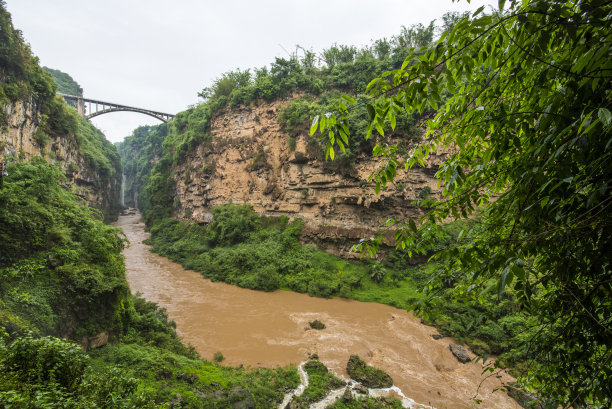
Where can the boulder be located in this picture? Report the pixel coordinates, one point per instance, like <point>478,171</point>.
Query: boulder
<point>316,324</point>
<point>359,388</point>
<point>347,395</point>
<point>367,375</point>
<point>241,398</point>
<point>460,353</point>
<point>525,399</point>
<point>189,378</point>
<point>96,341</point>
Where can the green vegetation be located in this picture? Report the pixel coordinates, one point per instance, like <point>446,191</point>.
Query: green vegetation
<point>139,153</point>
<point>367,402</point>
<point>62,274</point>
<point>366,374</point>
<point>53,249</point>
<point>65,83</point>
<point>23,80</point>
<point>523,95</point>
<point>320,383</point>
<point>316,324</point>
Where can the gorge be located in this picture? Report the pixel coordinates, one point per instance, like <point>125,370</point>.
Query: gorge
<point>310,233</point>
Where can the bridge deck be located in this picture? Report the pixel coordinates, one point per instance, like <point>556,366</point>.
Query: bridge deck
<point>111,107</point>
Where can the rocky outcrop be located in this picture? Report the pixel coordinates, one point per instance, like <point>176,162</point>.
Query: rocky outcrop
<point>249,161</point>
<point>460,353</point>
<point>23,138</point>
<point>97,341</point>
<point>367,375</point>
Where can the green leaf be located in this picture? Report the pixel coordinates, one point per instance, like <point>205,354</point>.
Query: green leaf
<point>371,111</point>
<point>313,126</point>
<point>380,129</point>
<point>331,152</point>
<point>604,116</point>
<point>478,10</point>
<point>500,4</point>
<point>412,225</point>
<point>371,84</point>
<point>349,99</point>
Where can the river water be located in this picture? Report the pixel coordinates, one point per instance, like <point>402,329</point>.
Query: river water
<point>259,329</point>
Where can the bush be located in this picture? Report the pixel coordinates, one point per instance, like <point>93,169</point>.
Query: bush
<point>45,360</point>
<point>218,356</point>
<point>316,324</point>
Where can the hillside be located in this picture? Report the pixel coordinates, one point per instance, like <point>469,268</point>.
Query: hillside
<point>65,83</point>
<point>34,122</point>
<point>63,291</point>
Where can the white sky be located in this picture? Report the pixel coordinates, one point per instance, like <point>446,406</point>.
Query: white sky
<point>158,54</point>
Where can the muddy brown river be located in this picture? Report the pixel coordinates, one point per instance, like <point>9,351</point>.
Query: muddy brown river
<point>259,329</point>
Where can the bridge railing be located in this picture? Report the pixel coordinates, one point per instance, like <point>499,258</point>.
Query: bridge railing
<point>89,108</point>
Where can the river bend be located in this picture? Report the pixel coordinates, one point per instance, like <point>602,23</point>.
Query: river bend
<point>259,329</point>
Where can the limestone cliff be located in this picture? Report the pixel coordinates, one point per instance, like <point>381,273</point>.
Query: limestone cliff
<point>76,153</point>
<point>248,160</point>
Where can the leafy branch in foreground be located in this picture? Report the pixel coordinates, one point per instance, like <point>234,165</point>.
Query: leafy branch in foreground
<point>523,110</point>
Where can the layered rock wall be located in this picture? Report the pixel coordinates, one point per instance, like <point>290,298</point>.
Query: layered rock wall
<point>249,161</point>
<point>19,140</point>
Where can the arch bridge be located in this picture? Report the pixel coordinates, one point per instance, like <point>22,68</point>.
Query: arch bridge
<point>89,108</point>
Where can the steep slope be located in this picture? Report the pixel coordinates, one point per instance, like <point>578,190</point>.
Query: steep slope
<point>248,160</point>
<point>36,122</point>
<point>65,83</point>
<point>247,157</point>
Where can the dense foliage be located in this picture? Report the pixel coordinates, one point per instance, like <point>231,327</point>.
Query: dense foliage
<point>65,83</point>
<point>62,274</point>
<point>320,383</point>
<point>523,103</point>
<point>152,154</point>
<point>61,269</point>
<point>139,153</point>
<point>22,80</point>
<point>242,248</point>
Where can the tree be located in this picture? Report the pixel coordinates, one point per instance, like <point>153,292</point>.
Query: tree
<point>522,105</point>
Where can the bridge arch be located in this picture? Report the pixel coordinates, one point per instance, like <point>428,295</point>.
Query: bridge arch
<point>157,115</point>
<point>90,108</point>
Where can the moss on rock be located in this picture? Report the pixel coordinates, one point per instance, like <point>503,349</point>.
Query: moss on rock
<point>367,375</point>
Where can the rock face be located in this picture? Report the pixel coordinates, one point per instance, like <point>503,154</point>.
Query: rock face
<point>526,400</point>
<point>241,398</point>
<point>460,353</point>
<point>249,161</point>
<point>97,341</point>
<point>367,375</point>
<point>18,139</point>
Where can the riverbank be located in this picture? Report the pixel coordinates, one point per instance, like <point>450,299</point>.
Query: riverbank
<point>259,329</point>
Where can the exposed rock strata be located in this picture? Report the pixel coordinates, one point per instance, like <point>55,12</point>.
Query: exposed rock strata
<point>18,139</point>
<point>249,161</point>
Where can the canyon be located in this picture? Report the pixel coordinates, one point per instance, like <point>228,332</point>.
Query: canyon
<point>249,160</point>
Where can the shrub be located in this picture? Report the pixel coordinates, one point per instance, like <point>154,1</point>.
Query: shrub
<point>367,375</point>
<point>316,324</point>
<point>45,360</point>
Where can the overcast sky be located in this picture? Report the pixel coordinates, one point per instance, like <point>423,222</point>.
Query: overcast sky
<point>159,54</point>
